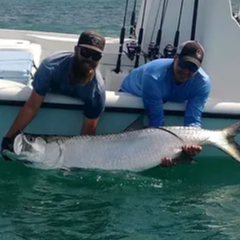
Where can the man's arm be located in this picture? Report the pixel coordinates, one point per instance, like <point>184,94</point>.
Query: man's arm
<point>193,117</point>
<point>89,126</point>
<point>92,111</point>
<point>193,113</point>
<point>195,106</point>
<point>152,100</point>
<point>40,85</point>
<point>26,114</point>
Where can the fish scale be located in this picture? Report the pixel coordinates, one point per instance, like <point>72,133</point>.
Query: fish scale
<point>125,151</point>
<point>192,134</point>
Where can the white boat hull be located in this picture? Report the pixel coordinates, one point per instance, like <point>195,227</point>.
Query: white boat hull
<point>63,115</point>
<point>68,122</point>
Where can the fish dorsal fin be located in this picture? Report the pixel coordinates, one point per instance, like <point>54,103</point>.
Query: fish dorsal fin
<point>172,133</point>
<point>183,157</point>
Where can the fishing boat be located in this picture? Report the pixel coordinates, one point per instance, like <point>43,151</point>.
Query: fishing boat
<point>159,25</point>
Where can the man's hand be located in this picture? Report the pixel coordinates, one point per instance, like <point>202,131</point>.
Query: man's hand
<point>167,162</point>
<point>7,144</point>
<point>190,150</point>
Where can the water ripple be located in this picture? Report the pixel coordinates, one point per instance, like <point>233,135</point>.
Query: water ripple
<point>158,204</point>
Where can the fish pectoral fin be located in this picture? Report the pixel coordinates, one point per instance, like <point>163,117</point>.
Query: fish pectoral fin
<point>184,158</point>
<point>66,169</point>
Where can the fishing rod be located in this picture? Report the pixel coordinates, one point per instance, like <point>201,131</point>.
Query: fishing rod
<point>140,37</point>
<point>155,22</point>
<point>194,19</point>
<point>151,48</point>
<point>177,34</point>
<point>133,22</point>
<point>156,49</point>
<point>122,37</point>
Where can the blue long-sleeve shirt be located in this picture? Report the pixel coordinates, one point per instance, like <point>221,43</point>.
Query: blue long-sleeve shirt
<point>154,82</point>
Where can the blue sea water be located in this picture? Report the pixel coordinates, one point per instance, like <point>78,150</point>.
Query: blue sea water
<point>192,202</point>
<point>69,16</point>
<point>200,201</point>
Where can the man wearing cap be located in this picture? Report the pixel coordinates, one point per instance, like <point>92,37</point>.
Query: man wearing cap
<point>69,73</point>
<point>176,80</point>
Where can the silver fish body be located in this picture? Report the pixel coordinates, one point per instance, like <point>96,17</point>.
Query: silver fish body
<point>133,150</point>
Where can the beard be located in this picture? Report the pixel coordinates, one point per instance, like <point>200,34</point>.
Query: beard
<point>82,71</point>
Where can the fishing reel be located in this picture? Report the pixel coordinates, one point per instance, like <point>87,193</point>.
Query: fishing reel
<point>131,49</point>
<point>169,52</point>
<point>153,52</point>
<point>151,55</point>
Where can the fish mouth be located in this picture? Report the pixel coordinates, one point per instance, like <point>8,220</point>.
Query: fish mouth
<point>21,144</point>
<point>18,144</point>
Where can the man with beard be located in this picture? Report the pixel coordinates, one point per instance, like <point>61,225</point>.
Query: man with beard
<point>176,80</point>
<point>73,74</point>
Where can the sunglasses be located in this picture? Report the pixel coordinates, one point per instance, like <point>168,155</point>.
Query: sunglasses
<point>89,53</point>
<point>187,65</point>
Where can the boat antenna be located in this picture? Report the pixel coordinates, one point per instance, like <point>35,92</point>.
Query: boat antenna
<point>122,37</point>
<point>140,37</point>
<point>133,22</point>
<point>194,19</point>
<point>177,34</point>
<point>159,33</point>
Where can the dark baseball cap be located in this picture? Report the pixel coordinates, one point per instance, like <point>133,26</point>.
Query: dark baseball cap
<point>191,51</point>
<point>92,40</point>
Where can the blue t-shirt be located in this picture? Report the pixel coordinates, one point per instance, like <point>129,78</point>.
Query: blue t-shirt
<point>154,82</point>
<point>53,76</point>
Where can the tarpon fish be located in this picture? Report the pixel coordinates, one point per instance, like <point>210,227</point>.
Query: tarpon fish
<point>136,150</point>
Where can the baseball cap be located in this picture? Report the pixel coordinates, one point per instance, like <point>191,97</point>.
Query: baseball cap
<point>92,40</point>
<point>191,51</point>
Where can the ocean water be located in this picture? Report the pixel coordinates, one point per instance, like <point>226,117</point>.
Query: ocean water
<point>69,16</point>
<point>193,202</point>
<point>199,201</point>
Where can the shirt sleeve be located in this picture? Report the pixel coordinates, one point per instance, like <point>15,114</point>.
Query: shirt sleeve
<point>96,97</point>
<point>94,107</point>
<point>42,78</point>
<point>195,106</point>
<point>152,100</point>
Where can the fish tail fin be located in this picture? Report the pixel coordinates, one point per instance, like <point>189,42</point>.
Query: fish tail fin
<point>225,140</point>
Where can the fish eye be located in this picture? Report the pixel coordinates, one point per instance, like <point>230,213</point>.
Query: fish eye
<point>30,138</point>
